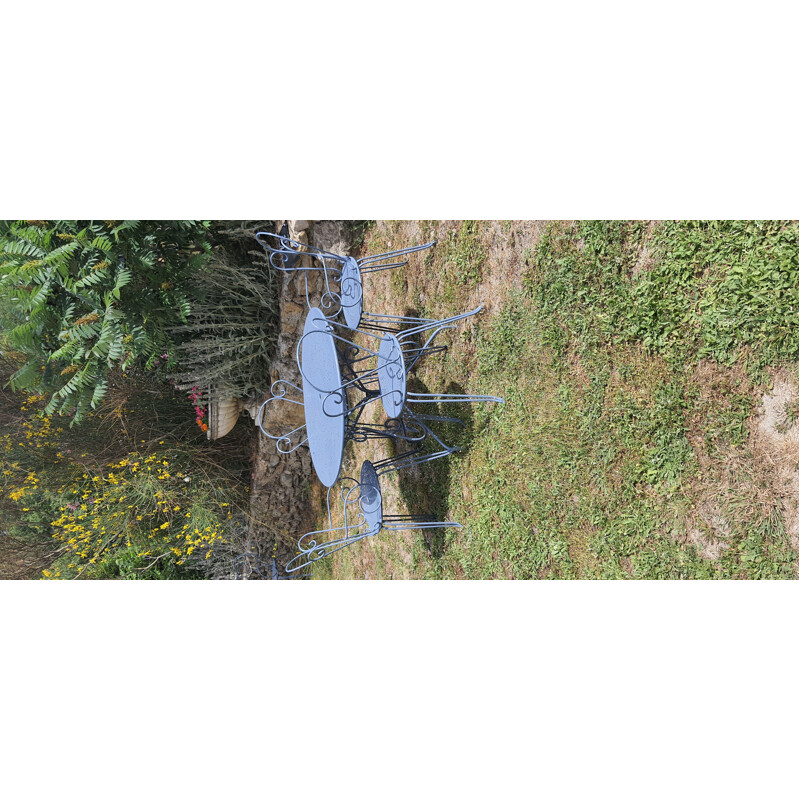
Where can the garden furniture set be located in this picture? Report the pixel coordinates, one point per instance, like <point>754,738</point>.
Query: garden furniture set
<point>340,378</point>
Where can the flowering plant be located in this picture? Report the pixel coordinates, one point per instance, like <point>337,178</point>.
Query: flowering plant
<point>195,396</point>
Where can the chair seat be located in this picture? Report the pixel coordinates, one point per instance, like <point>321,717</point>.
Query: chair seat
<point>371,499</point>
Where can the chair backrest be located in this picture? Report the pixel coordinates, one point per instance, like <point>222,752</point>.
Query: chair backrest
<point>285,253</point>
<point>282,253</point>
<point>291,417</point>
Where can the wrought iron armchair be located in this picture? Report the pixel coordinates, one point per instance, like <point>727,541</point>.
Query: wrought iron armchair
<point>410,429</point>
<point>382,373</point>
<point>342,275</point>
<point>363,517</point>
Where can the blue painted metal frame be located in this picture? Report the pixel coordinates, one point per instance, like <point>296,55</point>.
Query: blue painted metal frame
<point>345,271</point>
<point>363,517</point>
<point>396,356</point>
<point>330,421</point>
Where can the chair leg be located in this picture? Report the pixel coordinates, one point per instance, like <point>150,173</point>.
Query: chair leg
<point>428,324</point>
<point>373,263</point>
<point>418,397</point>
<point>409,518</point>
<point>411,355</point>
<point>386,323</point>
<point>402,526</point>
<point>416,456</point>
<point>361,432</point>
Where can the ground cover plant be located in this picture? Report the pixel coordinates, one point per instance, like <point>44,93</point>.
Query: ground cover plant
<point>650,377</point>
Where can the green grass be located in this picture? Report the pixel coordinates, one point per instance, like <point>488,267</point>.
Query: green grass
<point>465,253</point>
<point>630,360</point>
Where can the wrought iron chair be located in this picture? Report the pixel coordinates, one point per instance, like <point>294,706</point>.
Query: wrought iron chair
<point>382,373</point>
<point>342,274</point>
<point>291,256</point>
<point>363,517</point>
<point>411,429</point>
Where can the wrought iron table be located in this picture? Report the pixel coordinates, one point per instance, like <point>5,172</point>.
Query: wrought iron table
<point>322,381</point>
<point>329,419</point>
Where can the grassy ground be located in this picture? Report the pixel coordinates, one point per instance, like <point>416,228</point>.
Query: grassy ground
<point>638,362</point>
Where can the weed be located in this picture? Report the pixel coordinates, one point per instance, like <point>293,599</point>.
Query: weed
<point>357,230</point>
<point>790,410</point>
<point>465,254</point>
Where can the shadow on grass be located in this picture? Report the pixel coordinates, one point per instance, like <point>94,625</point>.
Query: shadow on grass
<point>426,488</point>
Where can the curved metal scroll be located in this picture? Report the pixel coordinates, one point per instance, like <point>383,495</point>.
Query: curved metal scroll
<point>312,547</point>
<point>284,440</point>
<point>316,545</point>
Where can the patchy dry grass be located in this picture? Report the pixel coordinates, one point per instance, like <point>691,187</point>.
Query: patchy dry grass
<point>650,425</point>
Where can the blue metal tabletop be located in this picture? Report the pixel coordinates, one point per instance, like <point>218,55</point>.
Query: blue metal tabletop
<point>325,402</point>
<point>391,376</point>
<point>352,293</point>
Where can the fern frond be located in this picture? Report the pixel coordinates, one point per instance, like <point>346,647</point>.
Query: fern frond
<point>102,243</point>
<point>99,392</point>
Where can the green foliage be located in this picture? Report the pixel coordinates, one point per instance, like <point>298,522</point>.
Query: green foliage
<point>719,286</point>
<point>136,563</point>
<point>357,230</point>
<point>686,290</point>
<point>760,551</point>
<point>578,282</point>
<point>465,252</point>
<point>79,298</point>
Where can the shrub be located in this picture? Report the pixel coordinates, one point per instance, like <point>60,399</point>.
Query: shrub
<point>230,335</point>
<point>79,298</point>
